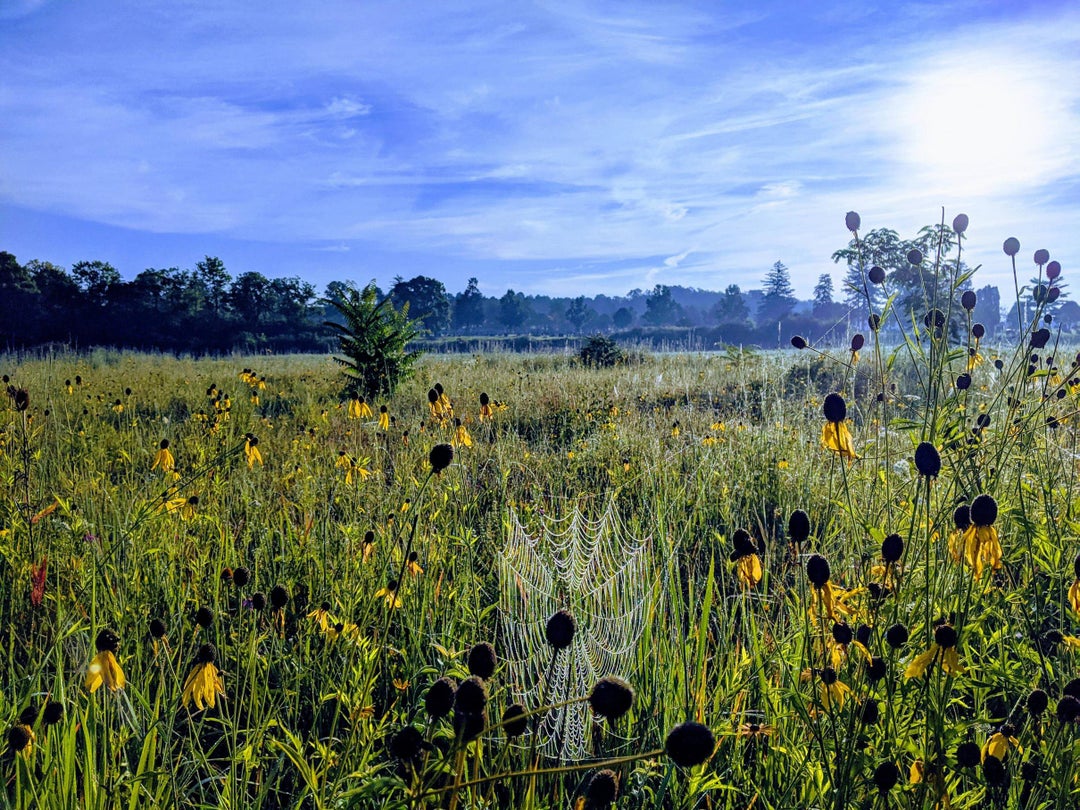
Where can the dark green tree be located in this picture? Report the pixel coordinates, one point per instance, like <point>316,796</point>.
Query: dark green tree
<point>778,297</point>
<point>215,280</point>
<point>469,308</point>
<point>988,309</point>
<point>661,308</point>
<point>373,340</point>
<point>622,318</point>
<point>426,299</point>
<point>514,310</point>
<point>731,309</point>
<point>580,314</point>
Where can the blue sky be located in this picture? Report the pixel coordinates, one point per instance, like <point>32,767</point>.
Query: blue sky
<point>559,147</point>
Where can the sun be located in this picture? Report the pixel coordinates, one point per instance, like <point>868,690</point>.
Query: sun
<point>979,126</point>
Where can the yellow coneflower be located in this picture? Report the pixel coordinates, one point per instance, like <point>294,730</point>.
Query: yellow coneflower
<point>343,461</point>
<point>944,644</point>
<point>444,401</point>
<point>104,668</point>
<point>1074,590</point>
<point>187,510</point>
<point>251,451</point>
<point>343,630</point>
<point>405,505</point>
<point>1001,742</point>
<point>982,548</point>
<point>164,458</point>
<point>461,435</point>
<point>384,418</point>
<point>835,435</point>
<point>204,682</point>
<point>486,411</point>
<point>413,564</point>
<point>961,522</point>
<point>390,595</point>
<point>321,616</point>
<point>832,692</point>
<point>675,428</point>
<point>118,407</point>
<point>746,559</point>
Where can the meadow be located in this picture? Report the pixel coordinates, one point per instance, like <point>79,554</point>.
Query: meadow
<point>809,578</point>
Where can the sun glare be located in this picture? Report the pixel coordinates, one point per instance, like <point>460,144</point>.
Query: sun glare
<point>977,130</point>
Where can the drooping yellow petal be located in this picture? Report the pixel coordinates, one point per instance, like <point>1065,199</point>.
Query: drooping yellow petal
<point>921,662</point>
<point>836,437</point>
<point>1074,596</point>
<point>748,569</point>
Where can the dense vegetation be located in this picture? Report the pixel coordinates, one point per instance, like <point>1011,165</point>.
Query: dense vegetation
<point>829,578</point>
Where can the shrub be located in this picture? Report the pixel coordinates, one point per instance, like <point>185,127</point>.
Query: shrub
<point>601,352</point>
<point>374,341</point>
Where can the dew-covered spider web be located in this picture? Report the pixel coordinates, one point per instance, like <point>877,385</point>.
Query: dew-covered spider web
<point>594,568</point>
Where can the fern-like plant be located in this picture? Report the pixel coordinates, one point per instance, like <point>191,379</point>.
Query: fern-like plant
<point>373,340</point>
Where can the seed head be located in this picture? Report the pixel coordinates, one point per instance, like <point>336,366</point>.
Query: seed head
<point>834,408</point>
<point>279,597</point>
<point>984,510</point>
<point>18,737</point>
<point>107,641</point>
<point>689,744</point>
<point>482,660</point>
<point>470,725</point>
<point>842,633</point>
<point>896,636</point>
<point>440,697</point>
<point>53,713</point>
<point>892,548</point>
<point>993,771</point>
<point>471,696</point>
<point>204,617</point>
<point>960,223</point>
<point>514,722</point>
<point>886,775</point>
<point>968,755</point>
<point>560,629</point>
<point>603,789</point>
<point>945,636</point>
<point>1037,701</point>
<point>441,457</point>
<point>876,275</point>
<point>1068,709</point>
<point>407,744</point>
<point>611,697</point>
<point>157,628</point>
<point>852,221</point>
<point>241,576</point>
<point>818,570</point>
<point>968,300</point>
<point>207,654</point>
<point>876,669</point>
<point>258,600</point>
<point>798,341</point>
<point>798,526</point>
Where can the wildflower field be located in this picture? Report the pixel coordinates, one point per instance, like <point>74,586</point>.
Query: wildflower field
<point>829,579</point>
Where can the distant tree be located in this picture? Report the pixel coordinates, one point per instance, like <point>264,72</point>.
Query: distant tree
<point>731,309</point>
<point>215,279</point>
<point>469,308</point>
<point>427,301</point>
<point>779,296</point>
<point>514,310</point>
<point>825,308</point>
<point>580,314</point>
<point>373,339</point>
<point>95,279</point>
<point>661,308</point>
<point>1068,316</point>
<point>622,318</point>
<point>988,309</point>
<point>881,248</point>
<point>18,300</point>
<point>248,297</point>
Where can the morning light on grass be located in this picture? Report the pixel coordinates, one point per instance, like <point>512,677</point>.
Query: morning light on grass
<point>503,406</point>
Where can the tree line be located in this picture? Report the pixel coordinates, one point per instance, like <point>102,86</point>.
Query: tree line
<point>206,310</point>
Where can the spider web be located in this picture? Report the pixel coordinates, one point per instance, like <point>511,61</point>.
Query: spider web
<point>594,569</point>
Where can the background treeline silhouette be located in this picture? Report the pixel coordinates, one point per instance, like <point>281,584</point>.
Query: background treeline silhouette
<point>207,310</point>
